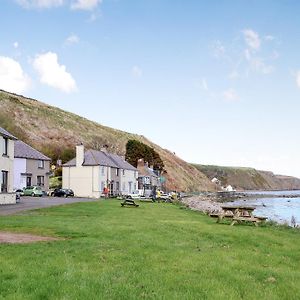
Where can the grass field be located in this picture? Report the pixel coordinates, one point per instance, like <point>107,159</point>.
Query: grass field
<point>156,251</point>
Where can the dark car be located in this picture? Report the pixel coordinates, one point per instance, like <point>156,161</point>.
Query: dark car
<point>62,193</point>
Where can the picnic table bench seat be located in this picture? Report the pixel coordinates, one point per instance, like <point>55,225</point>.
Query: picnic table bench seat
<point>220,215</point>
<point>129,202</point>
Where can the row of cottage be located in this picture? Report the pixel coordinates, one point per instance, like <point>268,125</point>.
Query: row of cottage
<point>89,174</point>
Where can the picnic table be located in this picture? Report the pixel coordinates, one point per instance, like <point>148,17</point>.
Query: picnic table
<point>239,214</point>
<point>129,202</point>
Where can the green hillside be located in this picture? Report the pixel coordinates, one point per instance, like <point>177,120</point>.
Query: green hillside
<point>46,127</point>
<point>249,178</point>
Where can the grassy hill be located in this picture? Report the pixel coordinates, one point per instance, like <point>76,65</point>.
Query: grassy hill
<point>249,178</point>
<point>44,126</point>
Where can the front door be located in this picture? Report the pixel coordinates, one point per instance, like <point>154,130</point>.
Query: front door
<point>111,189</point>
<point>28,181</point>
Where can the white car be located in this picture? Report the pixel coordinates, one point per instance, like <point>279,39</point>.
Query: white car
<point>135,195</point>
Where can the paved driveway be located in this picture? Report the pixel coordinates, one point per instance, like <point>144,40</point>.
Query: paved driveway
<point>28,203</point>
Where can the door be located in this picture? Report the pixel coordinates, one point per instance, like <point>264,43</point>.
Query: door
<point>28,181</point>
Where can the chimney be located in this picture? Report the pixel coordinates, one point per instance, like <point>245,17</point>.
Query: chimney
<point>79,155</point>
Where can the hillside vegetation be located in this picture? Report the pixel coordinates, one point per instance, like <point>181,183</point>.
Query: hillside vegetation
<point>249,178</point>
<point>46,127</point>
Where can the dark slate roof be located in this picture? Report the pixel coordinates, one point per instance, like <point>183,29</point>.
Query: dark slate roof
<point>23,150</point>
<point>122,164</point>
<point>101,158</point>
<point>6,134</point>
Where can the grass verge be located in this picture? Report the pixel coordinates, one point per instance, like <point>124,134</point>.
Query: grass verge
<point>155,251</point>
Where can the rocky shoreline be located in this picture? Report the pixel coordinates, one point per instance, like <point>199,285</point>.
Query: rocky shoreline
<point>210,203</point>
<point>204,203</point>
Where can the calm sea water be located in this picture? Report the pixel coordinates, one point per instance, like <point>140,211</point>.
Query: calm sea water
<point>278,209</point>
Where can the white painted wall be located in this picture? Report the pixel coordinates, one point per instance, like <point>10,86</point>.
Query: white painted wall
<point>8,198</point>
<point>129,179</point>
<point>19,167</point>
<point>7,164</point>
<point>83,180</point>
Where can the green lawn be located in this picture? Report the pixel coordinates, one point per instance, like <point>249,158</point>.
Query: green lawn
<point>156,251</point>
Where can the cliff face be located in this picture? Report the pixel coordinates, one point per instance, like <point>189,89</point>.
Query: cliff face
<point>249,178</point>
<point>40,125</point>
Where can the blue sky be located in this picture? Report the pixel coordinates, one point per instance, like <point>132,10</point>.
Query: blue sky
<point>217,82</point>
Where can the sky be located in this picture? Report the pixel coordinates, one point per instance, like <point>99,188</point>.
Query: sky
<point>216,82</point>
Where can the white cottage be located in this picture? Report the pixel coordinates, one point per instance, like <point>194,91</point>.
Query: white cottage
<point>7,167</point>
<point>91,172</point>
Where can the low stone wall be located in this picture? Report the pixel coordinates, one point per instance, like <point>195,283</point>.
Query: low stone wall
<point>8,198</point>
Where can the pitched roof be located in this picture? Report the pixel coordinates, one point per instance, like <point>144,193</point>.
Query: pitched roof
<point>6,134</point>
<point>101,158</point>
<point>122,164</point>
<point>22,150</point>
<point>146,171</point>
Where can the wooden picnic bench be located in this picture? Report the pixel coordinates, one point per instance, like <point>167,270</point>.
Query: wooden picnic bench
<point>129,202</point>
<point>239,214</point>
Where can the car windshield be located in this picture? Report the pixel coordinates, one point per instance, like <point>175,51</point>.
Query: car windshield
<point>38,188</point>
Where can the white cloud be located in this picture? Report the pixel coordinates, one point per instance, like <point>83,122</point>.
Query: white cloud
<point>40,3</point>
<point>52,73</point>
<point>231,95</point>
<point>137,72</point>
<point>72,39</point>
<point>298,79</point>
<point>12,76</point>
<point>85,4</point>
<point>16,45</point>
<point>259,65</point>
<point>252,39</point>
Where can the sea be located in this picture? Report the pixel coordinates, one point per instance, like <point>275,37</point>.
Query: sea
<point>277,208</point>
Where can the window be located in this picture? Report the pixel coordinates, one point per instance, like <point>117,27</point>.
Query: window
<point>4,181</point>
<point>102,171</point>
<point>123,187</point>
<point>40,180</point>
<point>5,146</point>
<point>123,172</point>
<point>117,172</point>
<point>41,164</point>
<point>117,185</point>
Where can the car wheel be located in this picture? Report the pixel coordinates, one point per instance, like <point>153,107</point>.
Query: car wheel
<point>32,194</point>
<point>65,195</point>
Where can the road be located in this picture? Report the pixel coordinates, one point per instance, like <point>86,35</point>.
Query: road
<point>28,203</point>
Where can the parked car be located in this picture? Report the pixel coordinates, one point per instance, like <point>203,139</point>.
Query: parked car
<point>134,195</point>
<point>62,193</point>
<point>33,191</point>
